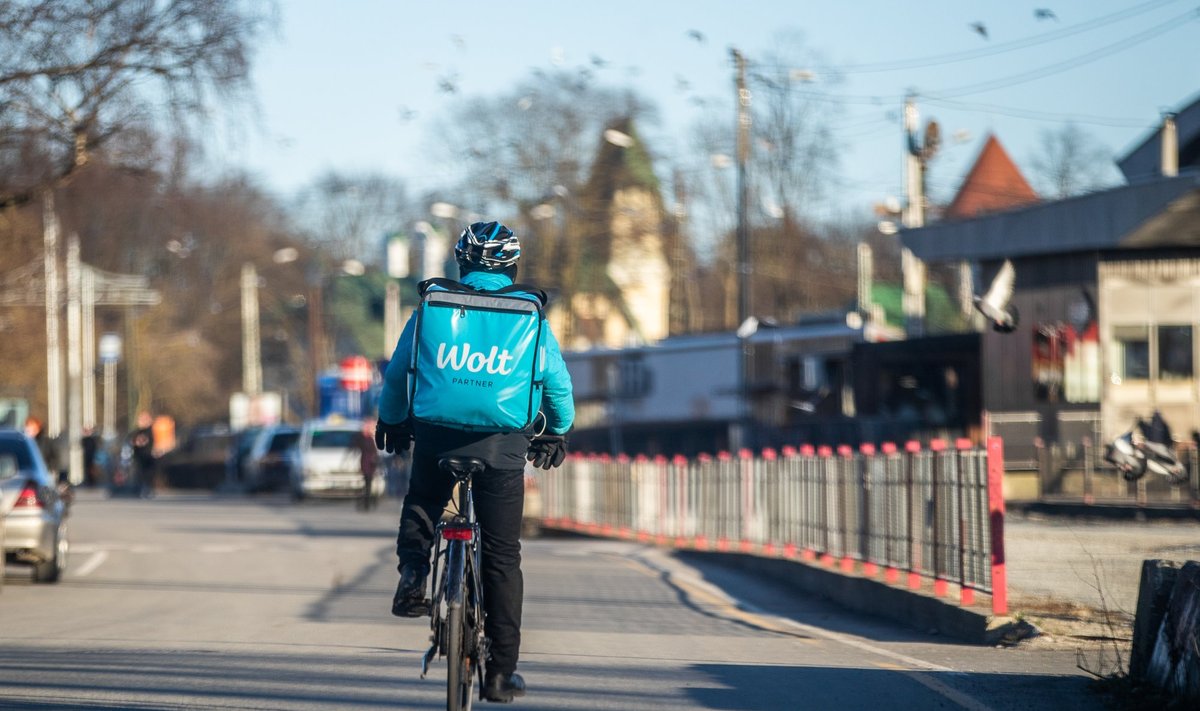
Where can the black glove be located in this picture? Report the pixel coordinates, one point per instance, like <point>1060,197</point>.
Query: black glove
<point>393,438</point>
<point>547,451</point>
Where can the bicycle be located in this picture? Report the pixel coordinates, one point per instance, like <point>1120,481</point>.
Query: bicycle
<point>456,612</point>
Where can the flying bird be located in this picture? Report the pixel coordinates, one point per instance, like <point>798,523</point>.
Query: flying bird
<point>448,84</point>
<point>980,28</point>
<point>696,35</point>
<point>1043,13</point>
<point>599,62</point>
<point>994,304</point>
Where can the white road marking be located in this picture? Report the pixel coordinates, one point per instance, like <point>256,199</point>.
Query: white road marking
<point>688,579</point>
<point>90,564</point>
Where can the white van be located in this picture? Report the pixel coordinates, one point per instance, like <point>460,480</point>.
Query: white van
<point>331,460</point>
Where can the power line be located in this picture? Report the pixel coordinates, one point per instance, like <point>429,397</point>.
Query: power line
<point>1064,65</point>
<point>1036,115</point>
<point>937,60</point>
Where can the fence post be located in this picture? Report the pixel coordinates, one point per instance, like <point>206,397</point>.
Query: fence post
<point>966,594</point>
<point>1089,473</point>
<point>995,489</point>
<point>939,507</point>
<point>913,448</point>
<point>891,573</point>
<point>825,459</point>
<point>847,480</point>
<point>869,533</point>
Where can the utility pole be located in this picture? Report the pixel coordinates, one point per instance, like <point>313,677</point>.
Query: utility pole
<point>74,362</point>
<point>251,361</point>
<point>740,436</point>
<point>88,297</point>
<point>912,268</point>
<point>53,346</point>
<point>743,188</point>
<point>391,317</point>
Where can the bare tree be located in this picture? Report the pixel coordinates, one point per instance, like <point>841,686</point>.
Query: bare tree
<point>1070,162</point>
<point>792,161</point>
<point>515,148</point>
<point>349,215</point>
<point>77,76</point>
<point>794,152</point>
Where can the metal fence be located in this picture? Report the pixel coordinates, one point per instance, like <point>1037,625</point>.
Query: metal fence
<point>929,514</point>
<point>1077,471</point>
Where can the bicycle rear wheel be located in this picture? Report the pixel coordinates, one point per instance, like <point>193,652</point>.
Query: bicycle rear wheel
<point>460,681</point>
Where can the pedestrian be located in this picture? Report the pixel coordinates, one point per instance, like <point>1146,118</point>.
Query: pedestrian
<point>368,464</point>
<point>91,443</point>
<point>487,255</point>
<point>46,446</point>
<point>141,443</point>
<point>1158,431</point>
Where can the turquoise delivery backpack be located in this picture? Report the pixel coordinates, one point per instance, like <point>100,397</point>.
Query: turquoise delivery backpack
<point>476,359</point>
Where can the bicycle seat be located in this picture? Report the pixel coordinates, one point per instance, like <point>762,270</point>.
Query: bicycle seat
<point>461,467</point>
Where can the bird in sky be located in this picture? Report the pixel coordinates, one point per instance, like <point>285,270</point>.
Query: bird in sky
<point>994,304</point>
<point>599,62</point>
<point>696,35</point>
<point>1044,13</point>
<point>448,84</point>
<point>980,28</point>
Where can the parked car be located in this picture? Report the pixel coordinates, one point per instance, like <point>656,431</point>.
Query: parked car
<point>238,457</point>
<point>273,459</point>
<point>32,512</point>
<point>198,463</point>
<point>331,461</point>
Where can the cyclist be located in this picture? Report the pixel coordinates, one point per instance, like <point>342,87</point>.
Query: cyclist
<point>487,255</point>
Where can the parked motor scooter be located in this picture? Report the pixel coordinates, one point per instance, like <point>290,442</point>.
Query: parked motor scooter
<point>1126,457</point>
<point>1135,457</point>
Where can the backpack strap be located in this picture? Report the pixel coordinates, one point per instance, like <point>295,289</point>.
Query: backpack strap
<point>447,284</point>
<point>451,285</point>
<point>527,289</point>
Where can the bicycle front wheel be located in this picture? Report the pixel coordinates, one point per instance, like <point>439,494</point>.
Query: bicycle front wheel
<point>461,679</point>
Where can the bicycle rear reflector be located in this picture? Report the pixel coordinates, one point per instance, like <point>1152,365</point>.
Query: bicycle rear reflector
<point>451,533</point>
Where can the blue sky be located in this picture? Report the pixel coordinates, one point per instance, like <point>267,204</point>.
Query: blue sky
<point>354,85</point>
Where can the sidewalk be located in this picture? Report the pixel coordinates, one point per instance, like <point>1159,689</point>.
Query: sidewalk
<point>1073,571</point>
<point>1090,556</point>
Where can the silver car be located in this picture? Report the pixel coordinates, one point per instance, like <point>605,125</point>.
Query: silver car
<point>331,461</point>
<point>33,524</point>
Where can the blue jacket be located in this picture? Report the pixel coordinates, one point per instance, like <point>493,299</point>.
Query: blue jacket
<point>558,402</point>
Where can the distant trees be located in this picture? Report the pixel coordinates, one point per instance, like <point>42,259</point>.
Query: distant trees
<point>347,215</point>
<point>184,356</point>
<point>77,76</point>
<point>793,157</point>
<point>1071,161</point>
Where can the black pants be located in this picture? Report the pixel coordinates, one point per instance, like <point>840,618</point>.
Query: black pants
<point>499,499</point>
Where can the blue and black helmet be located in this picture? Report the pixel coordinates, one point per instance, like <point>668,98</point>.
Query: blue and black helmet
<point>487,245</point>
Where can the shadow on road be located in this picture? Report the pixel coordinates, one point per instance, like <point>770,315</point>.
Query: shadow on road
<point>286,676</point>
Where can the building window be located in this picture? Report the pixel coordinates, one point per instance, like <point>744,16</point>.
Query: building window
<point>1131,356</point>
<point>1174,352</point>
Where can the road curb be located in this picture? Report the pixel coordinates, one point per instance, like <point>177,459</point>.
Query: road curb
<point>873,597</point>
<point>1102,511</point>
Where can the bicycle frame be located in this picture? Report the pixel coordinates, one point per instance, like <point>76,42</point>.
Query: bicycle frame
<point>456,565</point>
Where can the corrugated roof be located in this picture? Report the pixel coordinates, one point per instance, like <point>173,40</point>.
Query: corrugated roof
<point>1144,161</point>
<point>1102,220</point>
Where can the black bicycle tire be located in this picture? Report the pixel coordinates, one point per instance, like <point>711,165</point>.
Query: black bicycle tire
<point>460,679</point>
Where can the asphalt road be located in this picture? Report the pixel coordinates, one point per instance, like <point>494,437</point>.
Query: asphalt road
<point>205,603</point>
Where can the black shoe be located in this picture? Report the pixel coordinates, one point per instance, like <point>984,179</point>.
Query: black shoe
<point>410,600</point>
<point>503,688</point>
